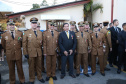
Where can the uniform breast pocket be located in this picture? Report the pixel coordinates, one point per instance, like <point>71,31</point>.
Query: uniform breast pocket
<point>8,44</point>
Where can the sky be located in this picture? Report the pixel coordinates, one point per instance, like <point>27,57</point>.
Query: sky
<point>24,5</point>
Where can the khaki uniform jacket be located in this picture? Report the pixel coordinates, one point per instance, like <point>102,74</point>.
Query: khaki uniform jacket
<point>83,44</point>
<point>11,46</point>
<point>32,45</point>
<point>97,43</point>
<point>89,31</point>
<point>107,34</point>
<point>50,43</point>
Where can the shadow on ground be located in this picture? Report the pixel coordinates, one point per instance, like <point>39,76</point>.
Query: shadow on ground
<point>116,81</point>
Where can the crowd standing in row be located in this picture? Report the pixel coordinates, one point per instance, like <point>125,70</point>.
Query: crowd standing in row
<point>71,48</point>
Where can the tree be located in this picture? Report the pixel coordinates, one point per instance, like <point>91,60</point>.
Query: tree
<point>89,8</point>
<point>35,6</point>
<point>44,3</point>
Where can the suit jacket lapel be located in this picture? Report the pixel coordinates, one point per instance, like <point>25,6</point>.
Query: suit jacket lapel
<point>65,34</point>
<point>69,34</point>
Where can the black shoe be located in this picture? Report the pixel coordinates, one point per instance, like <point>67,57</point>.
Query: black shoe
<point>87,75</point>
<point>103,74</point>
<point>92,74</point>
<point>62,76</point>
<point>54,78</point>
<point>73,76</point>
<point>67,70</point>
<point>110,65</point>
<point>124,70</point>
<point>22,83</point>
<point>42,80</point>
<point>118,71</point>
<point>31,82</point>
<point>77,74</point>
<point>47,78</point>
<point>107,69</point>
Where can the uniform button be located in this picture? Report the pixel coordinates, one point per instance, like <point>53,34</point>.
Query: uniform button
<point>14,44</point>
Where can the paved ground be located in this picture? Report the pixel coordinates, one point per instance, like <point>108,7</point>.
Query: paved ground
<point>111,76</point>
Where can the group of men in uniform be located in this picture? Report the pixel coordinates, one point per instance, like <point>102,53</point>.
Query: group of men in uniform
<point>80,48</point>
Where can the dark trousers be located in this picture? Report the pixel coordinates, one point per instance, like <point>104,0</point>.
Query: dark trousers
<point>122,60</point>
<point>113,55</point>
<point>63,64</point>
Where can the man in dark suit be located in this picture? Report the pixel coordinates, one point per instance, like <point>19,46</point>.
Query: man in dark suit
<point>114,33</point>
<point>67,44</point>
<point>122,49</point>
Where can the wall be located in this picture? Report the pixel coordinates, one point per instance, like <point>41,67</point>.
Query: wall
<point>119,11</point>
<point>75,12</point>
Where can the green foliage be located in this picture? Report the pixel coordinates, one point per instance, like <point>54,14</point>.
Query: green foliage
<point>97,6</point>
<point>35,6</point>
<point>89,7</point>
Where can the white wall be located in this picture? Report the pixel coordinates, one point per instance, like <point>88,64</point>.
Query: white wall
<point>119,11</point>
<point>106,15</point>
<point>75,12</point>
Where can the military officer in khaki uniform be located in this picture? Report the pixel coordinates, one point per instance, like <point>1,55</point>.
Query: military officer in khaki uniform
<point>107,34</point>
<point>98,49</point>
<point>50,44</point>
<point>83,46</point>
<point>87,29</point>
<point>32,48</point>
<point>12,43</point>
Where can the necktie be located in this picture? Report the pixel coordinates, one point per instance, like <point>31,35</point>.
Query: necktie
<point>35,33</point>
<point>82,34</point>
<point>12,35</point>
<point>96,35</point>
<point>52,33</point>
<point>68,35</point>
<point>116,29</point>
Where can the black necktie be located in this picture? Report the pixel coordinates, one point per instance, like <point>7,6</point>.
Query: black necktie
<point>35,33</point>
<point>82,34</point>
<point>96,35</point>
<point>12,35</point>
<point>52,33</point>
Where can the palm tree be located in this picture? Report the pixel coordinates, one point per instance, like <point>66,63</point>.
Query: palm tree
<point>89,8</point>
